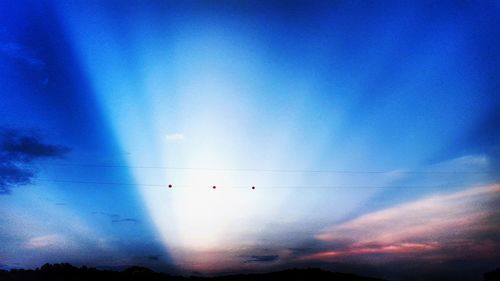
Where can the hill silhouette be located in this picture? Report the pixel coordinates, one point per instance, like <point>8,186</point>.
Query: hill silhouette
<point>492,275</point>
<point>68,272</point>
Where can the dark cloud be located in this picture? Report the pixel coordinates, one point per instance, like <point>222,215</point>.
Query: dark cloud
<point>153,257</point>
<point>312,245</point>
<point>118,219</point>
<point>115,218</point>
<point>26,147</point>
<point>18,151</point>
<point>12,175</point>
<point>265,258</point>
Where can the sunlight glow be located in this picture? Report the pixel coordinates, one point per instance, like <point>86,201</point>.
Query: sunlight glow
<point>201,91</point>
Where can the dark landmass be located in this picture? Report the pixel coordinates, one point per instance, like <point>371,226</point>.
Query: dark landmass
<point>492,275</point>
<point>67,272</point>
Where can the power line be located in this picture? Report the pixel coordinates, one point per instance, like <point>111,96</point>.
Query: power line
<point>172,186</point>
<point>257,170</point>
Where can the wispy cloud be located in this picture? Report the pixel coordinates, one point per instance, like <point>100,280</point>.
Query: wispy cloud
<point>441,224</point>
<point>21,53</point>
<point>396,175</point>
<point>175,137</point>
<point>115,218</point>
<point>46,241</point>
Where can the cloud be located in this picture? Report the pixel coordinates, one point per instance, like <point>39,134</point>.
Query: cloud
<point>175,137</point>
<point>17,146</point>
<point>442,227</point>
<point>18,149</point>
<point>125,220</point>
<point>396,175</point>
<point>266,258</point>
<point>115,218</point>
<point>26,57</point>
<point>153,257</point>
<point>12,175</point>
<point>46,241</point>
<point>21,53</point>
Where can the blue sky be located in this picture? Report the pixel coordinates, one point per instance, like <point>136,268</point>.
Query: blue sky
<point>343,115</point>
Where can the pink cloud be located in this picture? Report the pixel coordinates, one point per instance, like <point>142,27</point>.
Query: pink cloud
<point>402,248</point>
<point>444,226</point>
<point>46,241</point>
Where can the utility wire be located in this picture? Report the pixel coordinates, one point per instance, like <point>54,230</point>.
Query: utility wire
<point>250,186</point>
<point>257,170</point>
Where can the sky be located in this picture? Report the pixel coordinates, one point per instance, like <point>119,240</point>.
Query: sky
<point>368,129</point>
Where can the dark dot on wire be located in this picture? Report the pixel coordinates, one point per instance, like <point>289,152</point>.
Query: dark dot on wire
<point>253,187</point>
<point>214,187</point>
<point>169,186</point>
